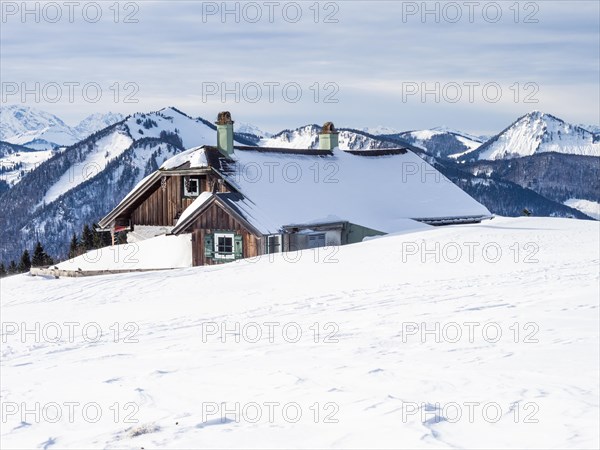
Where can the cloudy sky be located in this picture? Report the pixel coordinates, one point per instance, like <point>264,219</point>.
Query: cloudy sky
<point>473,66</point>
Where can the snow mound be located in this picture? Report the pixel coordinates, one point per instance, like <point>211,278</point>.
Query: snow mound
<point>161,252</point>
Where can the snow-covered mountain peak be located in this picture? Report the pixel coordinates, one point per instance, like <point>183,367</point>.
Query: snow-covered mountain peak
<point>248,128</point>
<point>172,111</point>
<point>175,126</point>
<point>445,129</point>
<point>379,130</point>
<point>440,141</point>
<point>97,121</point>
<point>307,136</point>
<point>539,132</point>
<point>41,130</point>
<point>16,120</point>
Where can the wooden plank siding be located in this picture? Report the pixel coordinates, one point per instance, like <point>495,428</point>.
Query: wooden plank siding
<point>166,203</point>
<point>215,218</point>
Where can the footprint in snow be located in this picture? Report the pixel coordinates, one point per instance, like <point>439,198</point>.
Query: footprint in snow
<point>48,443</point>
<point>112,380</point>
<point>22,425</point>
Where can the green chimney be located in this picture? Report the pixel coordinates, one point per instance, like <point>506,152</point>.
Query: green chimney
<point>225,133</point>
<point>329,137</point>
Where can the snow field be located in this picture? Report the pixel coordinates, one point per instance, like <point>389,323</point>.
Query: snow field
<point>180,353</point>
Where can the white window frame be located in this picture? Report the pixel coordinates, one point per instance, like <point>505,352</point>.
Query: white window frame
<point>217,254</point>
<point>187,193</point>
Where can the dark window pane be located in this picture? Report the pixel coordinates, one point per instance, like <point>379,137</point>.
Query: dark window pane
<point>225,244</point>
<point>273,244</point>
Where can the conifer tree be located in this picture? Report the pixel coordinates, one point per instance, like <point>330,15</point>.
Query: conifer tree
<point>40,257</point>
<point>25,263</point>
<point>12,268</point>
<point>74,246</point>
<point>2,270</point>
<point>87,238</point>
<point>101,239</point>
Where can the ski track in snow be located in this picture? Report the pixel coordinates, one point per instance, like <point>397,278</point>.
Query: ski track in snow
<point>372,373</point>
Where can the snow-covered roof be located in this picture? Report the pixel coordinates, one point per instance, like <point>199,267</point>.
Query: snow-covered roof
<point>196,157</point>
<point>375,189</point>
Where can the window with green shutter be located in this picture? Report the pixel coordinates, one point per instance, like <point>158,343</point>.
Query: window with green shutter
<point>224,245</point>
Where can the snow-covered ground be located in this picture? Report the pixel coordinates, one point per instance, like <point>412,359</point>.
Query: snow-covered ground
<point>378,362</point>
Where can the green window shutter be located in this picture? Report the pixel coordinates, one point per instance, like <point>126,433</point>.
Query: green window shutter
<point>238,246</point>
<point>209,245</point>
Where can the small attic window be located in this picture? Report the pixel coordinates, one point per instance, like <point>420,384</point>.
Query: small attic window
<point>191,187</point>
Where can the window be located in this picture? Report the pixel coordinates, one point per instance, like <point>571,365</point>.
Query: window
<point>274,243</point>
<point>223,245</point>
<point>316,240</point>
<point>191,187</point>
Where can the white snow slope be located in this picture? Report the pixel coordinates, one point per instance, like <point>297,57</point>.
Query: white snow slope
<point>588,207</point>
<point>105,149</point>
<point>370,378</point>
<point>538,132</point>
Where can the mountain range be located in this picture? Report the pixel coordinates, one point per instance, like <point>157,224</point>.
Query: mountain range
<point>40,130</point>
<point>70,185</point>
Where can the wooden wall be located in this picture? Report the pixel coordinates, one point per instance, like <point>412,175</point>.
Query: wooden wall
<point>166,203</point>
<point>216,218</point>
